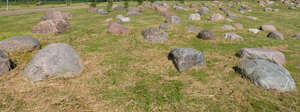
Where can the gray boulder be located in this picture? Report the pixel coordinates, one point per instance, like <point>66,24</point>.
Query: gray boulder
<point>154,35</point>
<point>5,63</point>
<point>102,11</point>
<point>194,17</point>
<point>216,17</point>
<point>206,35</point>
<point>202,11</point>
<point>118,7</point>
<point>20,44</point>
<point>228,27</point>
<point>133,11</point>
<point>232,36</point>
<point>55,60</point>
<point>276,35</point>
<point>261,53</point>
<point>164,26</point>
<point>268,28</point>
<point>184,58</point>
<point>173,20</point>
<point>266,74</point>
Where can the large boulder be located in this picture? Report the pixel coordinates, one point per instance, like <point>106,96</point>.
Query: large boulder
<point>266,74</point>
<point>154,35</point>
<point>116,28</point>
<point>55,60</point>
<point>268,28</point>
<point>53,14</point>
<point>184,58</point>
<point>5,63</point>
<point>20,44</point>
<point>206,35</point>
<point>51,26</point>
<point>276,35</point>
<point>261,53</point>
<point>173,20</point>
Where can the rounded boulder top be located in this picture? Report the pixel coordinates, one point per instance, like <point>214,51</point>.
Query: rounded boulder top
<point>53,60</point>
<point>20,44</point>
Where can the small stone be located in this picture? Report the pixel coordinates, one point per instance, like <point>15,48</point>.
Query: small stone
<point>202,11</point>
<point>173,20</point>
<point>228,27</point>
<point>238,26</point>
<point>253,30</point>
<point>154,35</point>
<point>123,19</point>
<point>268,28</point>
<point>116,28</point>
<point>133,11</point>
<point>292,7</point>
<point>102,12</point>
<point>184,58</point>
<point>118,7</point>
<point>216,17</point>
<point>267,9</point>
<point>193,5</point>
<point>276,35</point>
<point>276,10</point>
<point>206,35</point>
<point>165,26</point>
<point>194,17</point>
<point>109,20</point>
<point>232,36</point>
<point>251,18</point>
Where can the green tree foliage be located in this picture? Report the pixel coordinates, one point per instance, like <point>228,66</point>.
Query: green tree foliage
<point>93,4</point>
<point>152,1</point>
<point>126,4</point>
<point>109,5</point>
<point>140,2</point>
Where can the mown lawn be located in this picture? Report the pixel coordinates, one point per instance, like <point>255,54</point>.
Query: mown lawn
<point>126,73</point>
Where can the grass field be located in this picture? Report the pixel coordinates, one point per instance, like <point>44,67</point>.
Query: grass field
<point>125,73</point>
